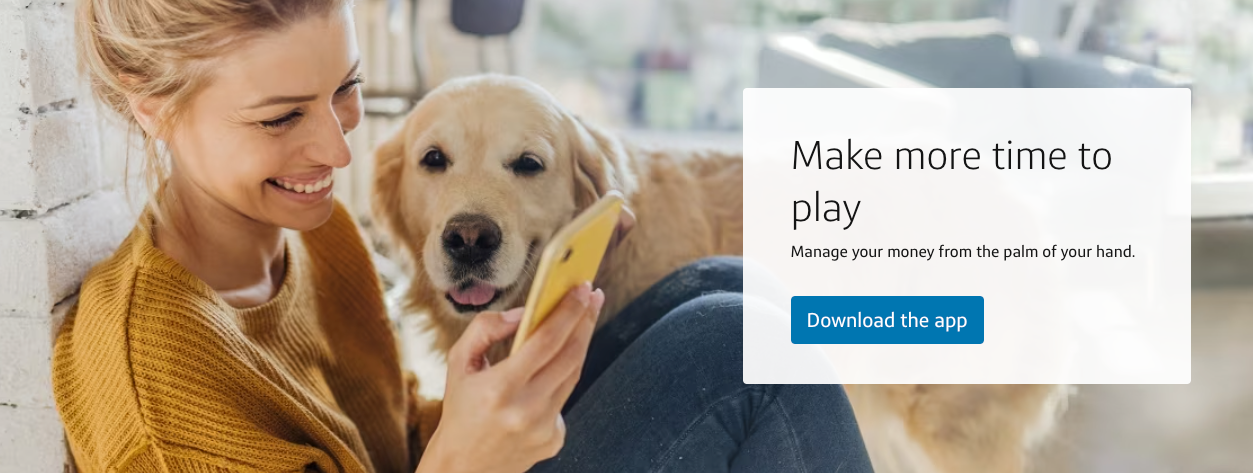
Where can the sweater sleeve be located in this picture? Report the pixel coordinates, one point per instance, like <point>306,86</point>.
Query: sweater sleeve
<point>152,371</point>
<point>151,459</point>
<point>162,388</point>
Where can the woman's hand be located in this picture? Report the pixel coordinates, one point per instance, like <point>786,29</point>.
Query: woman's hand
<point>507,417</point>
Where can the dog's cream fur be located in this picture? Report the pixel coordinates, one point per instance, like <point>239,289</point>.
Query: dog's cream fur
<point>686,206</point>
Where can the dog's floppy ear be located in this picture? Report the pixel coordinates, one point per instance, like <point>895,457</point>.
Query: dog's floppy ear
<point>600,165</point>
<point>387,205</point>
<point>593,171</point>
<point>389,159</point>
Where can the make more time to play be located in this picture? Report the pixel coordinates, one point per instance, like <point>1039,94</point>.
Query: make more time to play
<point>851,158</point>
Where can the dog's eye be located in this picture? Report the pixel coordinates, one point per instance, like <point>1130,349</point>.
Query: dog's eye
<point>434,160</point>
<point>526,165</point>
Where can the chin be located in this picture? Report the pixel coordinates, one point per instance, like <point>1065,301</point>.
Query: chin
<point>306,219</point>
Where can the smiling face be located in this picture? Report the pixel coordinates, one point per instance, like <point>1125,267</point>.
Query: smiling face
<point>480,177</point>
<point>264,134</point>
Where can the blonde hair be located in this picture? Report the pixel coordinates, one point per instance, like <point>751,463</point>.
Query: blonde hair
<point>161,49</point>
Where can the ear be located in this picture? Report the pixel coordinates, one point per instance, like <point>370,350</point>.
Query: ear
<point>591,172</point>
<point>386,205</point>
<point>626,221</point>
<point>385,198</point>
<point>601,165</point>
<point>144,109</point>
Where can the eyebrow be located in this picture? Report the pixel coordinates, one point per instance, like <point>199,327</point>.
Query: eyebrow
<point>286,99</point>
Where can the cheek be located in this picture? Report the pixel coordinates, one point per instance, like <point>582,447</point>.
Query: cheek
<point>242,163</point>
<point>259,159</point>
<point>417,207</point>
<point>218,158</point>
<point>551,203</point>
<point>559,189</point>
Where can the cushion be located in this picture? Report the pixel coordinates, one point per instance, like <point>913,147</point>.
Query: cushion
<point>972,53</point>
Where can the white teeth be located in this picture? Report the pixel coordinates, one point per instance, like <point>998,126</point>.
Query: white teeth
<point>307,188</point>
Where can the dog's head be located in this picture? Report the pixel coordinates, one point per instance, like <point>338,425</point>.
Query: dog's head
<point>480,176</point>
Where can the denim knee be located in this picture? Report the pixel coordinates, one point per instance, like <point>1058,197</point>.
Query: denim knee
<point>706,275</point>
<point>708,332</point>
<point>719,316</point>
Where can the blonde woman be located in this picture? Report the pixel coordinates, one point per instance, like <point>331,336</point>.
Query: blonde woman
<point>241,327</point>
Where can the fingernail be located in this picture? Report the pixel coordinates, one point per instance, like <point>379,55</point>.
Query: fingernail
<point>583,293</point>
<point>512,315</point>
<point>598,299</point>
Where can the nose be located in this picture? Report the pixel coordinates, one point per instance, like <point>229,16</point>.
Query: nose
<point>330,147</point>
<point>471,238</point>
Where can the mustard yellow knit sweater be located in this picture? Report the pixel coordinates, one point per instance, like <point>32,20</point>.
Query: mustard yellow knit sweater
<point>154,372</point>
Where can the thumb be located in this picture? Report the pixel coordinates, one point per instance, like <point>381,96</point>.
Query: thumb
<point>626,219</point>
<point>626,222</point>
<point>485,330</point>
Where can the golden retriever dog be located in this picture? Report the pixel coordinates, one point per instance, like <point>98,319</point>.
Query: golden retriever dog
<point>950,428</point>
<point>485,170</point>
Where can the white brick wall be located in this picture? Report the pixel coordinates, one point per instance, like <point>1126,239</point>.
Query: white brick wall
<point>62,209</point>
<point>36,443</point>
<point>45,257</point>
<point>31,439</point>
<point>36,85</point>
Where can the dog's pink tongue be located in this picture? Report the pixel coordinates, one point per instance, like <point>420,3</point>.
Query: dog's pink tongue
<point>477,294</point>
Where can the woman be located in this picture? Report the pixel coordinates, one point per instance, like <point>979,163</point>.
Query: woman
<point>240,327</point>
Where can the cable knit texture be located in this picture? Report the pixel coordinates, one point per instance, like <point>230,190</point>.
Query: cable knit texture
<point>154,372</point>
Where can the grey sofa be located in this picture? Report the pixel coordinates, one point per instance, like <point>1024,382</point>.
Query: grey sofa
<point>975,53</point>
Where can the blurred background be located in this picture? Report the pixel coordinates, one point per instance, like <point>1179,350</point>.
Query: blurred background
<point>674,69</point>
<point>671,72</point>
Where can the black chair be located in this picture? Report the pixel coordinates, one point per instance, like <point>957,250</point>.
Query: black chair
<point>482,18</point>
<point>487,18</point>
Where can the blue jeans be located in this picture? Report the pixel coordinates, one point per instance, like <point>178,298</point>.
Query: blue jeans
<point>662,390</point>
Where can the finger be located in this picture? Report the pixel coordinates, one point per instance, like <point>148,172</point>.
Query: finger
<point>567,386</point>
<point>551,335</point>
<point>626,222</point>
<point>485,329</point>
<point>557,380</point>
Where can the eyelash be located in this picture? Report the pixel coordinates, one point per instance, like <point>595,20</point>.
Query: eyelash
<point>343,89</point>
<point>283,121</point>
<point>290,119</point>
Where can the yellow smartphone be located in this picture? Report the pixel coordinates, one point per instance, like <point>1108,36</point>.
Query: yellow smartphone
<point>570,258</point>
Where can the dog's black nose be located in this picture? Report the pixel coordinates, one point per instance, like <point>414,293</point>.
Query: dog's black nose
<point>471,238</point>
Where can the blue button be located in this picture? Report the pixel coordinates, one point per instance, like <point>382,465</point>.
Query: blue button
<point>887,319</point>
